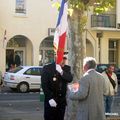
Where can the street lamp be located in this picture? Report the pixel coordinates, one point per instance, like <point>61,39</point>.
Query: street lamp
<point>99,35</point>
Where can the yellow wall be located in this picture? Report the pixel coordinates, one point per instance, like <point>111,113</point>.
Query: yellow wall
<point>40,15</point>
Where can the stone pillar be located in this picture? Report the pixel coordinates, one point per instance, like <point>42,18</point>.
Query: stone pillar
<point>35,56</point>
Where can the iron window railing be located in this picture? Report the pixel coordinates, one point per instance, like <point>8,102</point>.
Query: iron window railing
<point>20,11</point>
<point>103,20</point>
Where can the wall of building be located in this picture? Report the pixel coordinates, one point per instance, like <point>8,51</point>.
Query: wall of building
<point>105,44</point>
<point>40,15</point>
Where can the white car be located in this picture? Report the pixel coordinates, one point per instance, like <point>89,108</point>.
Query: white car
<point>23,78</point>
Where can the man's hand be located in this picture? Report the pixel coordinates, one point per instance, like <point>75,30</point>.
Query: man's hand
<point>59,69</point>
<point>74,87</point>
<point>52,103</point>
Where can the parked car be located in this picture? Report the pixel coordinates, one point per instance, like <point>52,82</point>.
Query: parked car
<point>117,71</point>
<point>23,78</point>
<point>102,67</point>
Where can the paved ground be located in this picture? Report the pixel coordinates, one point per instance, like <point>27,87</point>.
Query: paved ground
<point>17,113</point>
<point>115,106</point>
<point>20,106</point>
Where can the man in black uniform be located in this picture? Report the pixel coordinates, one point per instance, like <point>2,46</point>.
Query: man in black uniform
<point>55,78</point>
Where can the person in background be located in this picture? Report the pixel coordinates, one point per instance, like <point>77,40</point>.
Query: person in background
<point>54,80</point>
<point>12,67</point>
<point>17,60</point>
<point>88,92</point>
<point>10,60</point>
<point>111,84</point>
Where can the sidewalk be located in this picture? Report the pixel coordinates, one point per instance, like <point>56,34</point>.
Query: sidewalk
<point>115,109</point>
<point>116,103</point>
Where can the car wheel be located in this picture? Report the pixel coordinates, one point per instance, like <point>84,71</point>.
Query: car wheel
<point>23,87</point>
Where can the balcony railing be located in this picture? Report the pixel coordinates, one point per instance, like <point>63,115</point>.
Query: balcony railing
<point>23,11</point>
<point>104,20</point>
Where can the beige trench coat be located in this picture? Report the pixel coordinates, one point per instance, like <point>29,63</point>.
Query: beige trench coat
<point>90,97</point>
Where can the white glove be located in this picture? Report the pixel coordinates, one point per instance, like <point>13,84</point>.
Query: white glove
<point>52,103</point>
<point>59,69</point>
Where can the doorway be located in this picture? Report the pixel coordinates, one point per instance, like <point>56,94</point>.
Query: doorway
<point>19,49</point>
<point>46,51</point>
<point>9,58</point>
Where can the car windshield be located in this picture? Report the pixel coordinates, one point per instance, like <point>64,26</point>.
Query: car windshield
<point>16,69</point>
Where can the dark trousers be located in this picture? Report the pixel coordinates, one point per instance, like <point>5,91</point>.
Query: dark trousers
<point>108,103</point>
<point>54,113</point>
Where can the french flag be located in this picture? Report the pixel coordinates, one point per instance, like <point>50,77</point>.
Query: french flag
<point>60,32</point>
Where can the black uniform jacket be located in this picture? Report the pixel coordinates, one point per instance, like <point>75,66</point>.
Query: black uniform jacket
<point>54,85</point>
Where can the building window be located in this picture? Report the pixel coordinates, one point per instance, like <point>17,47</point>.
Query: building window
<point>113,52</point>
<point>103,20</point>
<point>17,41</point>
<point>20,6</point>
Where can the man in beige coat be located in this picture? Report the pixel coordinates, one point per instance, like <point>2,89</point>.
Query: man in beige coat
<point>111,84</point>
<point>89,93</point>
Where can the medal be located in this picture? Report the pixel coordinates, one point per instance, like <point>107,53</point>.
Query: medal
<point>54,79</point>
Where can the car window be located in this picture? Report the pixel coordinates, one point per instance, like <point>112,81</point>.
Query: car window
<point>118,70</point>
<point>16,69</point>
<point>33,71</point>
<point>101,68</point>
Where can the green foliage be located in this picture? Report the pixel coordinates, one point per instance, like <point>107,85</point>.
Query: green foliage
<point>103,5</point>
<point>56,5</point>
<point>100,6</point>
<point>78,4</point>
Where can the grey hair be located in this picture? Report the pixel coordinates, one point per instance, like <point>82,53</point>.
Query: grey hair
<point>90,61</point>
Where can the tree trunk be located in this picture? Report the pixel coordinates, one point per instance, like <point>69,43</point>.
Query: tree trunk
<point>76,47</point>
<point>76,54</point>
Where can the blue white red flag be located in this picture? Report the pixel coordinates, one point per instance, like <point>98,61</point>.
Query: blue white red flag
<point>60,32</point>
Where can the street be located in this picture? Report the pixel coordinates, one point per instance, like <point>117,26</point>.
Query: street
<point>27,106</point>
<point>20,106</point>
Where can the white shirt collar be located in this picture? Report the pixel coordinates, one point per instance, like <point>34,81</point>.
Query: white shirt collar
<point>90,70</point>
